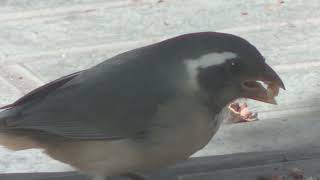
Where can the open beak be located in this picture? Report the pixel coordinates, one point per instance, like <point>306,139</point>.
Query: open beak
<point>253,88</point>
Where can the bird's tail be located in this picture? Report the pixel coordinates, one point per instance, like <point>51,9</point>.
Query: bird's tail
<point>4,117</point>
<point>11,139</point>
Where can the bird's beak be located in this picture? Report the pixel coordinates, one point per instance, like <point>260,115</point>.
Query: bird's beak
<point>253,89</point>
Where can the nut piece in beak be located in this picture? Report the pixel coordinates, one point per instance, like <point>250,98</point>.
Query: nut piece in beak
<point>256,91</point>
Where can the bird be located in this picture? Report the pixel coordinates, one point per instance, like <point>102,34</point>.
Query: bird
<point>144,109</point>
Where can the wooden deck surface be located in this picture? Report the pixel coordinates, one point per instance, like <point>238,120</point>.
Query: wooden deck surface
<point>41,40</point>
<point>242,166</point>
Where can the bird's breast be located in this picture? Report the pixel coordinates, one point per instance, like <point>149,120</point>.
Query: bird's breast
<point>181,128</point>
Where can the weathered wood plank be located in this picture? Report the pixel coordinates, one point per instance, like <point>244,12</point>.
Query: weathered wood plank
<point>56,37</point>
<point>265,172</point>
<point>230,167</point>
<point>8,92</point>
<point>33,8</point>
<point>111,26</point>
<point>284,133</point>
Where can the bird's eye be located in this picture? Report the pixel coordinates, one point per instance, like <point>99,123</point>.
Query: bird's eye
<point>234,63</point>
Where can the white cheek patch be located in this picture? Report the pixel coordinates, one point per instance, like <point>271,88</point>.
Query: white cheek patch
<point>211,59</point>
<point>204,61</point>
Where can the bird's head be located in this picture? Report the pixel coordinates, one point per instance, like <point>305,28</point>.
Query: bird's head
<point>228,66</point>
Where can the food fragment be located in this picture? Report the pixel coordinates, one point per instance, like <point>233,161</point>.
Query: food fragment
<point>273,89</point>
<point>275,5</point>
<point>293,174</point>
<point>241,113</point>
<point>296,174</point>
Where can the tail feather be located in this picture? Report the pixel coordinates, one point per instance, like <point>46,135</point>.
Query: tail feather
<point>10,139</point>
<point>3,119</point>
<point>5,115</point>
<point>16,142</point>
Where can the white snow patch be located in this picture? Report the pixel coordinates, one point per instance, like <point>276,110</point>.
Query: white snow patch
<point>33,160</point>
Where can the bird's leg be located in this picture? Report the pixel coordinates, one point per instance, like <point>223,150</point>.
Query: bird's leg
<point>135,176</point>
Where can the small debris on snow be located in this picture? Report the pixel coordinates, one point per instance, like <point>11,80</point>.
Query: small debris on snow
<point>296,174</point>
<point>241,113</point>
<point>244,13</point>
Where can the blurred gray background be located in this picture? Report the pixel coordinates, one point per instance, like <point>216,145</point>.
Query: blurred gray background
<point>43,40</point>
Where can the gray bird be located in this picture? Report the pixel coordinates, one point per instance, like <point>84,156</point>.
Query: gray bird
<point>143,109</point>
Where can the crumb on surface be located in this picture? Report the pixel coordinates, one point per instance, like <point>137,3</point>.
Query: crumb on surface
<point>241,113</point>
<point>296,174</point>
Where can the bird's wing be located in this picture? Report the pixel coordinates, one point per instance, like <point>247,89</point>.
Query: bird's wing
<point>41,91</point>
<point>115,99</point>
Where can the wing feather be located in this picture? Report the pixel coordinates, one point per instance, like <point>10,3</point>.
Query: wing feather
<point>115,99</point>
